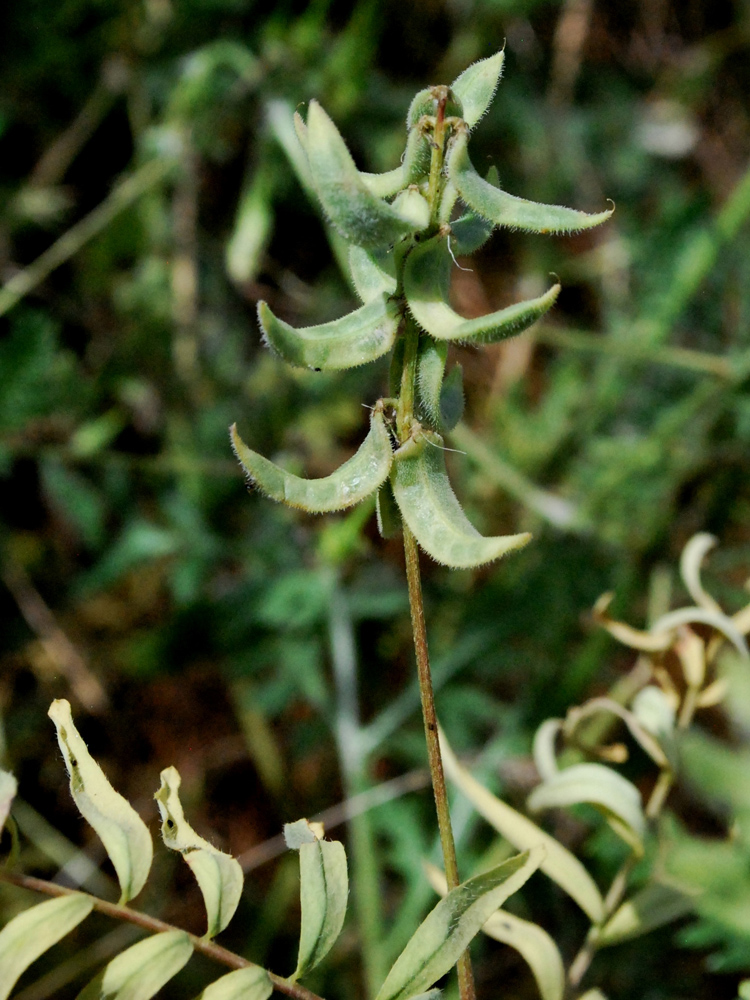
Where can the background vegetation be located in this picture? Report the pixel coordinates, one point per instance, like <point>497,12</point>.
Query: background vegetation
<point>268,654</point>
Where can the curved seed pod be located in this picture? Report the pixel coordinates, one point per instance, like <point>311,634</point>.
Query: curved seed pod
<point>373,272</point>
<point>476,87</point>
<point>426,283</point>
<point>507,210</point>
<point>470,232</point>
<point>359,337</point>
<point>353,481</point>
<point>414,166</point>
<point>434,515</point>
<point>442,398</point>
<point>386,511</point>
<point>352,208</point>
<point>413,205</point>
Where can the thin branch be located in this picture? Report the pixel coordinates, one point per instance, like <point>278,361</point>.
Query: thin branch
<point>155,926</point>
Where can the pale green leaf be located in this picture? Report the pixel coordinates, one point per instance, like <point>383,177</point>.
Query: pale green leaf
<point>8,789</point>
<point>476,87</point>
<point>356,479</point>
<point>559,864</point>
<point>434,515</point>
<point>652,906</point>
<point>250,983</point>
<point>533,943</point>
<point>354,210</point>
<point>324,888</point>
<point>598,785</point>
<point>373,273</point>
<point>302,831</point>
<point>354,339</point>
<point>414,166</point>
<point>218,875</point>
<point>505,209</point>
<point>426,287</point>
<point>448,929</point>
<point>122,831</point>
<point>32,932</point>
<point>594,994</point>
<point>141,971</point>
<point>386,511</point>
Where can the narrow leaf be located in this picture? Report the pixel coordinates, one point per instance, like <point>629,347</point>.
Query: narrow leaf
<point>8,789</point>
<point>533,943</point>
<point>434,515</point>
<point>652,906</point>
<point>446,932</point>
<point>596,784</point>
<point>505,209</point>
<point>252,228</point>
<point>122,831</point>
<point>250,983</point>
<point>559,864</point>
<point>324,887</point>
<point>354,210</point>
<point>373,273</point>
<point>359,337</point>
<point>141,971</point>
<point>691,561</point>
<point>426,286</point>
<point>356,479</point>
<point>32,932</point>
<point>414,166</point>
<point>476,87</point>
<point>219,875</point>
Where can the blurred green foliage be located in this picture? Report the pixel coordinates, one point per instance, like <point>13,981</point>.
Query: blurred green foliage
<point>218,625</point>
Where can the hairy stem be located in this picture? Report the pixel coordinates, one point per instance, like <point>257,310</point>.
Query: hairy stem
<point>155,926</point>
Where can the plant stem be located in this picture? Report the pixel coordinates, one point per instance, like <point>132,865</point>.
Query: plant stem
<point>155,926</point>
<point>416,605</point>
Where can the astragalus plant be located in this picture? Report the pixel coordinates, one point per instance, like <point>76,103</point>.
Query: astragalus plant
<point>403,230</point>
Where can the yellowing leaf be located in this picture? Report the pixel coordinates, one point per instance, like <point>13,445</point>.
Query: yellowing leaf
<point>141,971</point>
<point>559,864</point>
<point>32,932</point>
<point>120,828</point>
<point>219,875</point>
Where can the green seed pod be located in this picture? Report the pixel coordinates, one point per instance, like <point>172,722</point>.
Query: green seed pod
<point>426,286</point>
<point>356,479</point>
<point>358,214</point>
<point>476,87</point>
<point>434,515</point>
<point>359,337</point>
<point>412,205</point>
<point>470,232</point>
<point>415,166</point>
<point>506,210</point>
<point>373,272</point>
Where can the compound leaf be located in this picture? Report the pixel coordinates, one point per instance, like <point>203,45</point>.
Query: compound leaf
<point>476,87</point>
<point>359,337</point>
<point>250,983</point>
<point>354,210</point>
<point>356,479</point>
<point>596,784</point>
<point>141,971</point>
<point>559,864</point>
<point>506,210</point>
<point>32,932</point>
<point>446,932</point>
<point>533,943</point>
<point>218,875</point>
<point>324,887</point>
<point>120,828</point>
<point>434,515</point>
<point>426,286</point>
